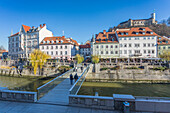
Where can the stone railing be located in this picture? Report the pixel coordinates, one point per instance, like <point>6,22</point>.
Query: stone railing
<point>92,101</point>
<point>23,96</point>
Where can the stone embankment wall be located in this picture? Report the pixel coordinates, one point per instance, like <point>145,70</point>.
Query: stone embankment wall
<point>131,75</point>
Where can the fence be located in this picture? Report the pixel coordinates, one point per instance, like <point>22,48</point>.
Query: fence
<point>51,84</point>
<point>75,88</point>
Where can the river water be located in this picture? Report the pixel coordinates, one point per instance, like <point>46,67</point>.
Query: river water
<point>23,83</point>
<point>135,89</point>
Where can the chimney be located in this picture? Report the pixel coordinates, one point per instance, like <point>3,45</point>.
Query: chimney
<point>104,32</point>
<point>40,25</point>
<point>44,25</point>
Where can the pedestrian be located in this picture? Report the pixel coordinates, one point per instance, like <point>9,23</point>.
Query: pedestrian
<point>76,68</point>
<point>75,77</point>
<point>81,68</point>
<point>71,79</point>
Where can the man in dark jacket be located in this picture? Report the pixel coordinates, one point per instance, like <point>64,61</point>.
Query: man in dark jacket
<point>71,79</point>
<point>75,77</point>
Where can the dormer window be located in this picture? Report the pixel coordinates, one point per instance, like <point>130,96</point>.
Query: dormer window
<point>126,33</point>
<point>166,41</point>
<point>61,41</point>
<point>48,41</point>
<point>161,42</point>
<point>113,39</point>
<point>151,32</point>
<point>143,29</point>
<point>122,33</point>
<point>52,41</point>
<point>56,41</point>
<point>143,33</point>
<point>43,42</point>
<point>159,38</point>
<point>99,39</point>
<point>137,33</point>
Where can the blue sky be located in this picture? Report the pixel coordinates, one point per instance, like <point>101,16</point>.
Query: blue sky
<point>79,19</point>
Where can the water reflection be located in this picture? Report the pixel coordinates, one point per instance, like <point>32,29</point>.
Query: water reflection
<point>136,89</point>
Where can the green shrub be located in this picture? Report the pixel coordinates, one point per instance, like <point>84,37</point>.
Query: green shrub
<point>63,69</point>
<point>131,68</point>
<point>160,68</point>
<point>105,68</point>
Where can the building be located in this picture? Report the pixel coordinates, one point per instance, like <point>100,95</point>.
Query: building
<point>85,50</point>
<point>22,43</point>
<point>59,47</point>
<point>3,54</point>
<point>139,22</point>
<point>137,42</point>
<point>105,45</point>
<point>163,44</point>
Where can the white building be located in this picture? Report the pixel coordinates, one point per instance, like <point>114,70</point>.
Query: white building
<point>59,47</point>
<point>137,42</point>
<point>85,49</point>
<point>26,40</point>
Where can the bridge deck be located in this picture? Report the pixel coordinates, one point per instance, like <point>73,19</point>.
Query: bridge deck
<point>59,94</point>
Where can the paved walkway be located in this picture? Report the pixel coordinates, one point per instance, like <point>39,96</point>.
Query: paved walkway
<point>21,107</point>
<point>59,94</point>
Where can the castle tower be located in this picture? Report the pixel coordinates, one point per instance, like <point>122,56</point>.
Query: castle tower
<point>153,15</point>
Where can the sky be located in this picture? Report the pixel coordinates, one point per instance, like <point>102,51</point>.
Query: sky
<point>79,19</point>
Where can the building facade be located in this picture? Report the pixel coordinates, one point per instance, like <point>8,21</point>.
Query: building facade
<point>59,47</point>
<point>85,50</point>
<point>26,40</point>
<point>105,45</point>
<point>163,44</point>
<point>139,22</point>
<point>137,42</point>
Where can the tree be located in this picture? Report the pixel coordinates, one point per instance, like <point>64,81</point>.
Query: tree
<point>79,59</point>
<point>165,55</point>
<point>38,59</point>
<point>168,20</point>
<point>95,59</point>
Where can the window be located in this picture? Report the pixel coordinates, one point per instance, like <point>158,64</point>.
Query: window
<point>51,52</point>
<point>144,51</point>
<point>164,48</point>
<point>137,51</point>
<point>51,47</point>
<point>153,51</point>
<point>149,51</point>
<point>159,48</point>
<point>148,45</point>
<point>111,46</point>
<point>116,46</point>
<point>152,37</point>
<point>101,46</point>
<point>160,41</point>
<point>129,38</point>
<point>125,45</point>
<point>153,44</point>
<point>56,47</point>
<point>111,52</point>
<point>137,45</point>
<point>101,52</point>
<point>130,51</point>
<point>125,51</point>
<point>47,52</point>
<point>144,45</point>
<point>106,46</point>
<point>168,47</point>
<point>124,38</point>
<point>47,47</point>
<point>107,52</point>
<point>144,38</point>
<point>130,45</point>
<point>148,38</point>
<point>120,38</point>
<point>61,47</point>
<point>61,53</point>
<point>121,45</point>
<point>97,46</point>
<point>42,47</point>
<point>120,51</point>
<point>116,52</point>
<point>65,47</point>
<point>65,52</point>
<point>56,52</point>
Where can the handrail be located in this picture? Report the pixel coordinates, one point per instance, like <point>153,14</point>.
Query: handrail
<point>78,81</point>
<point>53,79</point>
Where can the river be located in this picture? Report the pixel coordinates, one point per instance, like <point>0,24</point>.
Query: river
<point>135,89</point>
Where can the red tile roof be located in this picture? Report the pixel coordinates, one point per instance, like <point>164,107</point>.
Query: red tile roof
<point>106,37</point>
<point>15,34</point>
<point>26,28</point>
<point>85,46</point>
<point>129,32</point>
<point>163,41</point>
<point>59,39</point>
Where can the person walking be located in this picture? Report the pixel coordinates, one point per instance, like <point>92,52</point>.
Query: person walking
<point>71,79</point>
<point>75,77</point>
<point>81,68</point>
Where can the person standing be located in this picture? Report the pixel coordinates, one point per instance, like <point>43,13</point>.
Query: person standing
<point>81,68</point>
<point>71,79</point>
<point>75,77</point>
